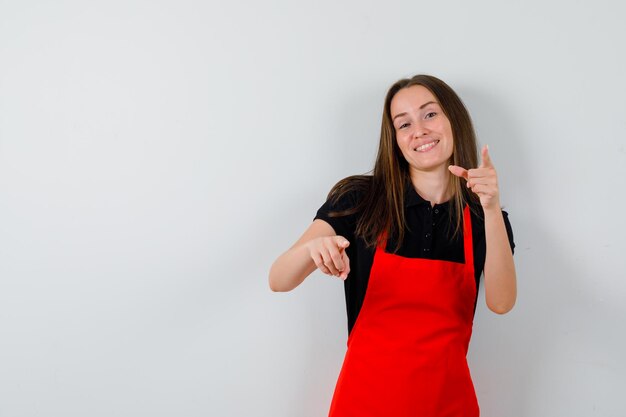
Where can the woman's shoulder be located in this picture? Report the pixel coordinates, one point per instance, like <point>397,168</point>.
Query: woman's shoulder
<point>478,223</point>
<point>344,205</point>
<point>350,192</point>
<point>478,214</point>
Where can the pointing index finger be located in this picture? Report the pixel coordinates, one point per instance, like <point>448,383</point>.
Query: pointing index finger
<point>486,159</point>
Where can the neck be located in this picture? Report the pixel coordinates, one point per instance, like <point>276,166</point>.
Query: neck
<point>432,185</point>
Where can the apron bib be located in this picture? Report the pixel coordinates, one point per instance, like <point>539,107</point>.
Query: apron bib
<point>407,351</point>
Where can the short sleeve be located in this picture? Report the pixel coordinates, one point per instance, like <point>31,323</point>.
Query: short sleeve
<point>509,229</point>
<point>342,225</point>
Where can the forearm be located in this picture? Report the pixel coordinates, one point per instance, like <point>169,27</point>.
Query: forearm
<point>500,278</point>
<point>290,269</point>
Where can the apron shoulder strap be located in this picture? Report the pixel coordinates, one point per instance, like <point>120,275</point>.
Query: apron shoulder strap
<point>468,242</point>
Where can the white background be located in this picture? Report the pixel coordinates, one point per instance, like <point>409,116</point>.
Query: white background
<point>157,156</point>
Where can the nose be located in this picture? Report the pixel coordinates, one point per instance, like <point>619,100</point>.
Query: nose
<point>420,130</point>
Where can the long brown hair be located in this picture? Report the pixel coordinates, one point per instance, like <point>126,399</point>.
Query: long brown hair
<point>382,202</point>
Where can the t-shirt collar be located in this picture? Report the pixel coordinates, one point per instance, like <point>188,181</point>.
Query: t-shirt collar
<point>412,198</point>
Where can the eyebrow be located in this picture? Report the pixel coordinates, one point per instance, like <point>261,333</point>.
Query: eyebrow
<point>421,107</point>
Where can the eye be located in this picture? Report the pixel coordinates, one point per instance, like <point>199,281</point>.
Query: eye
<point>403,125</point>
<point>430,115</point>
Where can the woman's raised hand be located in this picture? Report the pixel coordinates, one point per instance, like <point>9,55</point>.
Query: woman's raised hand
<point>329,255</point>
<point>483,180</point>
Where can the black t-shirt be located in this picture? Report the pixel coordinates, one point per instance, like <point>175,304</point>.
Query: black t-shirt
<point>427,235</point>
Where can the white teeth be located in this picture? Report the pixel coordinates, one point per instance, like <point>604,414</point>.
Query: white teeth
<point>426,146</point>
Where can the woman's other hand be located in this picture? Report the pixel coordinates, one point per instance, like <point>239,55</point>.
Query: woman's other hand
<point>483,181</point>
<point>500,276</point>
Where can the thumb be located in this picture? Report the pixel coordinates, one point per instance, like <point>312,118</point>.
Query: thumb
<point>458,171</point>
<point>486,159</point>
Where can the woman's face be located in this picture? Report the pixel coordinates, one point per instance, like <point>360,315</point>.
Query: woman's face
<point>423,132</point>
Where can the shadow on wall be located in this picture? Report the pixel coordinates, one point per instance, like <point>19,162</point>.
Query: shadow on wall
<point>545,355</point>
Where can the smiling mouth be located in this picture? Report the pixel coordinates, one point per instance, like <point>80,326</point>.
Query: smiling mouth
<point>426,147</point>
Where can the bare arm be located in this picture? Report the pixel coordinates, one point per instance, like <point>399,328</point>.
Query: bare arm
<point>500,277</point>
<point>319,247</point>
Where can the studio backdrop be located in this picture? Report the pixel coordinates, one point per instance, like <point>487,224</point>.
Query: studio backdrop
<point>157,156</point>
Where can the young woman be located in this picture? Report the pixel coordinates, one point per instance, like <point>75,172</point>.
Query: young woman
<point>410,242</point>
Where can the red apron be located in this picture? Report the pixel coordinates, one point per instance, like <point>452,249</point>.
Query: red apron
<point>407,351</point>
